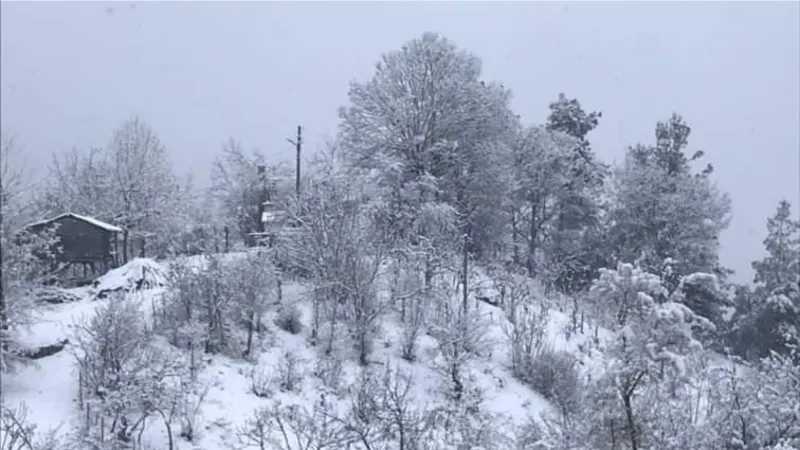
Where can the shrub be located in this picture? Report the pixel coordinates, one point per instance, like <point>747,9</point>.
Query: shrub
<point>290,374</point>
<point>261,382</point>
<point>555,375</point>
<point>55,296</point>
<point>290,319</point>
<point>330,370</point>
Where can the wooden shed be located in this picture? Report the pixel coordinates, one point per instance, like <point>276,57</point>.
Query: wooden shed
<point>84,241</point>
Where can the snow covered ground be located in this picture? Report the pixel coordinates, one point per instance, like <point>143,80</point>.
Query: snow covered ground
<point>49,388</point>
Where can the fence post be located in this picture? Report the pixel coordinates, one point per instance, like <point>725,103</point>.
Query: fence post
<point>227,237</point>
<point>125,246</point>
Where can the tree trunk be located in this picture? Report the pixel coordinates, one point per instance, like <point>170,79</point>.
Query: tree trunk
<point>514,237</point>
<point>533,237</point>
<point>458,386</point>
<point>227,238</point>
<point>465,278</point>
<point>168,426</point>
<point>428,273</point>
<point>626,401</point>
<point>250,328</point>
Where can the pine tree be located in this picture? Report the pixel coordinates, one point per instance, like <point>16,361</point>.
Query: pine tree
<point>578,205</point>
<point>667,216</point>
<point>777,320</point>
<point>782,264</point>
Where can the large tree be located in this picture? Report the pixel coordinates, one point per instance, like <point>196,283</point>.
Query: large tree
<point>664,211</point>
<point>538,179</point>
<point>668,217</point>
<point>572,252</point>
<point>434,131</point>
<point>141,180</point>
<point>774,323</point>
<point>781,266</point>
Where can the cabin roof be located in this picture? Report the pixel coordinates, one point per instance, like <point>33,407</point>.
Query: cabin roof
<point>90,220</point>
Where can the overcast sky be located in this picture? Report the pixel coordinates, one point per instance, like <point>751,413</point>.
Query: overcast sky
<point>202,72</point>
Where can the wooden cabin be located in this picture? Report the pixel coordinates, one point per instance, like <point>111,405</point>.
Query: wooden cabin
<point>83,241</point>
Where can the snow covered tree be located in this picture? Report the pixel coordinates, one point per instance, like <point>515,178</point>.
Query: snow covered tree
<point>294,427</point>
<point>75,183</point>
<point>24,264</point>
<point>653,341</point>
<point>337,244</point>
<point>704,295</point>
<point>554,206</point>
<point>140,178</point>
<point>781,266</point>
<point>254,286</point>
<point>567,116</point>
<point>755,406</point>
<point>461,336</point>
<point>571,250</point>
<point>665,216</point>
<point>778,321</point>
<point>237,187</point>
<point>526,330</point>
<point>126,377</point>
<point>18,433</point>
<point>538,177</point>
<point>433,131</point>
<point>202,311</point>
<point>202,230</point>
<point>772,321</point>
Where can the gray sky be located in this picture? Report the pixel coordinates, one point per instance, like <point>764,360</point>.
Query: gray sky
<point>202,72</point>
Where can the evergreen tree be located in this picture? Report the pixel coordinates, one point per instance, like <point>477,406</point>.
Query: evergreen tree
<point>781,266</point>
<point>573,253</point>
<point>665,216</point>
<point>775,323</point>
<point>668,218</point>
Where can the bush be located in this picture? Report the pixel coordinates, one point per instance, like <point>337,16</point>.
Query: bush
<point>290,319</point>
<point>290,374</point>
<point>330,370</point>
<point>554,374</point>
<point>55,296</point>
<point>18,433</point>
<point>261,382</point>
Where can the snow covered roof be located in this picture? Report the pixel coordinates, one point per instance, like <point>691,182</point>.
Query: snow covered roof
<point>90,220</point>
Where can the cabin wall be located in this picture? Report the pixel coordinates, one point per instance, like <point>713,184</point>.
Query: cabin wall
<point>81,241</point>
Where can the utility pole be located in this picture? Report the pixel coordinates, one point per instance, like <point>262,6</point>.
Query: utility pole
<point>298,144</point>
<point>262,195</point>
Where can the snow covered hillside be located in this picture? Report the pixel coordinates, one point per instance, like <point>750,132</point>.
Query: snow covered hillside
<point>138,374</point>
<point>286,369</point>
